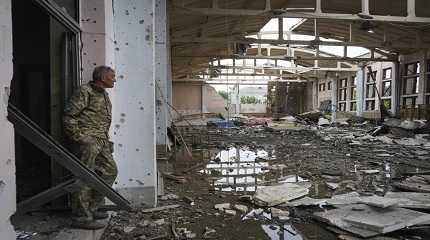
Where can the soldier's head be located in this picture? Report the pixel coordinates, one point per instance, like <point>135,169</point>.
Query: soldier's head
<point>104,76</point>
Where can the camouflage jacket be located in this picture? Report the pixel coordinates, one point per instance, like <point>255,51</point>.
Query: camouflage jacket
<point>88,114</point>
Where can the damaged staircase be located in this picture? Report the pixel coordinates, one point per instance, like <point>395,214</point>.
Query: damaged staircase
<point>82,174</point>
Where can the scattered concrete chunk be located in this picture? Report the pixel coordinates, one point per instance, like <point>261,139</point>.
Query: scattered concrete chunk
<point>222,206</point>
<point>275,195</point>
<point>384,139</point>
<point>280,214</point>
<point>378,201</point>
<point>169,196</point>
<point>414,200</point>
<point>307,201</point>
<point>415,184</point>
<point>388,221</point>
<point>323,122</point>
<point>371,221</point>
<point>344,199</point>
<point>332,186</point>
<point>241,208</point>
<point>370,171</point>
<point>230,212</point>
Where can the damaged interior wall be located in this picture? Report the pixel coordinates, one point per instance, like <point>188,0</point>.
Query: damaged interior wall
<point>7,164</point>
<point>97,36</point>
<point>212,101</point>
<point>161,69</point>
<point>189,99</point>
<point>134,117</point>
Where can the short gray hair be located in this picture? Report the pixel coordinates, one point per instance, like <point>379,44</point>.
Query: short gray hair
<point>100,71</point>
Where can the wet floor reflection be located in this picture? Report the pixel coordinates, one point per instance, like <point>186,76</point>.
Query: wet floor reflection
<point>282,232</point>
<point>276,230</point>
<point>237,169</point>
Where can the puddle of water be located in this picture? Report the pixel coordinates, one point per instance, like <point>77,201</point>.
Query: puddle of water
<point>276,230</point>
<point>238,170</point>
<point>281,232</point>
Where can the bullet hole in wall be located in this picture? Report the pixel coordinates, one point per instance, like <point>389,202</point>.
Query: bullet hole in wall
<point>121,76</point>
<point>117,49</point>
<point>2,186</point>
<point>141,21</point>
<point>119,145</point>
<point>141,108</point>
<point>117,126</point>
<point>147,37</point>
<point>122,120</point>
<point>137,149</point>
<point>122,114</point>
<point>127,12</point>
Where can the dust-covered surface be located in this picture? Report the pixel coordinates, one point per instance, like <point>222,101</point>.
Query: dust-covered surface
<point>214,188</point>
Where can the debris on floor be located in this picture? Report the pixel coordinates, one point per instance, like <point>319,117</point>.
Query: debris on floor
<point>301,177</point>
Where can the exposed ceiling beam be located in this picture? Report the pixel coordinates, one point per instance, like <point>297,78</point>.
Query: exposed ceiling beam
<point>298,68</point>
<point>372,44</point>
<point>295,14</point>
<point>292,58</point>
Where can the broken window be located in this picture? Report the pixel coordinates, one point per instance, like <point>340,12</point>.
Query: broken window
<point>342,107</point>
<point>353,86</point>
<point>386,82</point>
<point>322,87</point>
<point>409,101</point>
<point>411,79</point>
<point>370,90</point>
<point>370,105</point>
<point>329,85</point>
<point>353,107</point>
<point>387,103</point>
<point>343,83</point>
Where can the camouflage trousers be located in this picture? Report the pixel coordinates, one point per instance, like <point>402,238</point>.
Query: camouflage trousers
<point>96,154</point>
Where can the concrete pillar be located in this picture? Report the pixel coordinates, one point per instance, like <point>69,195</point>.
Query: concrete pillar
<point>98,43</point>
<point>135,118</point>
<point>7,152</point>
<point>360,91</point>
<point>334,87</point>
<point>395,89</point>
<point>169,83</point>
<point>161,68</point>
<point>237,99</point>
<point>315,94</point>
<point>422,80</point>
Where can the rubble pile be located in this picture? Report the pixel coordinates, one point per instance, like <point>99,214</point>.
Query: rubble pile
<point>302,177</point>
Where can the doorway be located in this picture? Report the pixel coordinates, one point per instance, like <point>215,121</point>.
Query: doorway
<point>45,59</point>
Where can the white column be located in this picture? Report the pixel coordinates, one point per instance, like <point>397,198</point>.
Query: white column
<point>333,97</point>
<point>237,99</point>
<point>134,117</point>
<point>315,100</point>
<point>169,83</point>
<point>7,153</point>
<point>360,91</point>
<point>161,68</point>
<point>422,79</point>
<point>98,45</point>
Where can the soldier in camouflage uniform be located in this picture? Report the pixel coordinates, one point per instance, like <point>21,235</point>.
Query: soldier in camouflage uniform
<point>87,120</point>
